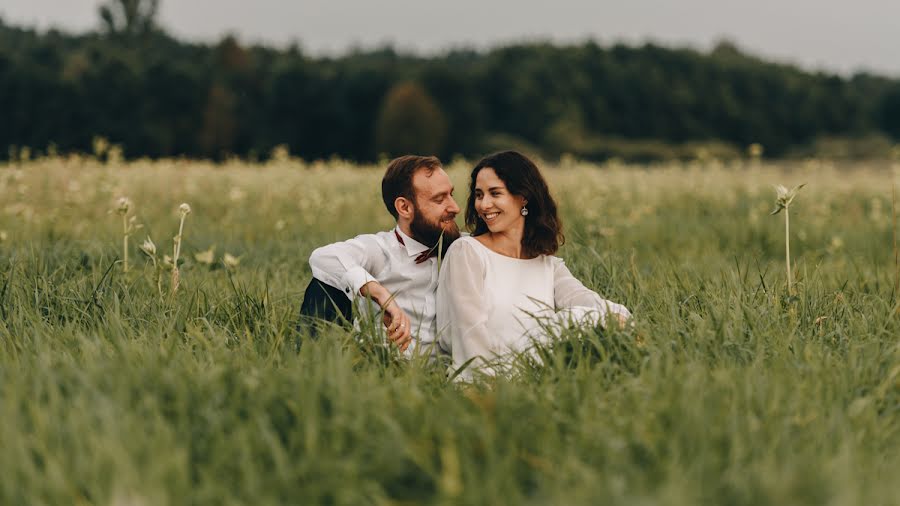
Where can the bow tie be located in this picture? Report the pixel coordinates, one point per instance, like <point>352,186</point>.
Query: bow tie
<point>425,255</point>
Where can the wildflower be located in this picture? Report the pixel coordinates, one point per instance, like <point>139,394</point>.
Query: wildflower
<point>755,150</point>
<point>783,200</point>
<point>206,257</point>
<point>785,197</point>
<point>149,248</point>
<point>123,205</point>
<point>129,225</point>
<point>185,210</point>
<point>231,261</point>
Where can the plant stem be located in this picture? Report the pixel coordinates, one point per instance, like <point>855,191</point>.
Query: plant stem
<point>176,277</point>
<point>894,236</point>
<point>787,249</point>
<point>125,242</point>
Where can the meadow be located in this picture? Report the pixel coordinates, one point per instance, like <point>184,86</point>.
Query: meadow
<point>116,391</point>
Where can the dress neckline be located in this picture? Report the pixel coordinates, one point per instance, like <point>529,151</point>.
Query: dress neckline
<point>501,255</point>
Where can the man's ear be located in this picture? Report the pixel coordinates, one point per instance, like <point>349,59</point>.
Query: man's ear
<point>404,207</point>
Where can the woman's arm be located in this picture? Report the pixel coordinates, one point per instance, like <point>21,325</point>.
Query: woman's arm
<point>568,292</point>
<point>461,307</point>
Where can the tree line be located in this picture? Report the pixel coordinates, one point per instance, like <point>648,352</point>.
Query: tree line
<point>158,96</point>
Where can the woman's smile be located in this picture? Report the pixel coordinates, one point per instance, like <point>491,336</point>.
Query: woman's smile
<point>489,217</point>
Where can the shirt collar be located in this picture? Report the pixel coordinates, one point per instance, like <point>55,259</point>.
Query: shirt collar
<point>413,247</point>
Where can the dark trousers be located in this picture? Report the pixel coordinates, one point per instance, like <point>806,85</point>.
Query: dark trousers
<point>324,302</point>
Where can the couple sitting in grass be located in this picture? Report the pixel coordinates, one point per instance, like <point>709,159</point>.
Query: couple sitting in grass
<point>478,298</point>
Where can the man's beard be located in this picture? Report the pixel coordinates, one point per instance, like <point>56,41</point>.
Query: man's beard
<point>429,233</point>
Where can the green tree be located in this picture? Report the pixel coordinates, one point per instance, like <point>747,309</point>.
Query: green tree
<point>129,17</point>
<point>409,122</point>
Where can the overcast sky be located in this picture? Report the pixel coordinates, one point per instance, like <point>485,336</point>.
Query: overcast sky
<point>836,35</point>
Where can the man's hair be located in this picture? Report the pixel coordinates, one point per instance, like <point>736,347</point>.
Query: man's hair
<point>543,229</point>
<point>397,180</point>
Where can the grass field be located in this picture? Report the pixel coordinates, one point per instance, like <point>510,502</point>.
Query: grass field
<point>113,391</point>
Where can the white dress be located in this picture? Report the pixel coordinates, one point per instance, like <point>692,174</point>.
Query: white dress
<point>489,305</point>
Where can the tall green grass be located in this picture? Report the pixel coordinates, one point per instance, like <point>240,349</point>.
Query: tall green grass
<point>724,392</point>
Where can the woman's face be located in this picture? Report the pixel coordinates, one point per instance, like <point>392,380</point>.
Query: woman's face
<point>500,210</point>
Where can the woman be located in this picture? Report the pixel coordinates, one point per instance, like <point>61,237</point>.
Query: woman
<point>501,287</point>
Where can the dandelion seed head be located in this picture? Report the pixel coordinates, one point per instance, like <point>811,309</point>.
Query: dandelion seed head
<point>123,205</point>
<point>148,247</point>
<point>784,197</point>
<point>184,209</point>
<point>206,257</point>
<point>230,260</point>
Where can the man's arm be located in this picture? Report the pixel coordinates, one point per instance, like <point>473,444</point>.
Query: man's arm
<point>352,267</point>
<point>349,265</point>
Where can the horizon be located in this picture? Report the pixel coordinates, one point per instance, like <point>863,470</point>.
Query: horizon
<point>813,39</point>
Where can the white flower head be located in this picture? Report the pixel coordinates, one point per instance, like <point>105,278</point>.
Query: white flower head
<point>123,205</point>
<point>206,257</point>
<point>784,197</point>
<point>231,261</point>
<point>149,248</point>
<point>184,209</point>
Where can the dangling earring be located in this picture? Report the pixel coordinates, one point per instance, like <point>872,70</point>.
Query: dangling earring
<point>524,211</point>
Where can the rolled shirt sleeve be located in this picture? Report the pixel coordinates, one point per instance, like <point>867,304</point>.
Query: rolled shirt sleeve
<point>349,265</point>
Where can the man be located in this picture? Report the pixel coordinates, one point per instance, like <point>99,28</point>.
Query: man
<point>397,269</point>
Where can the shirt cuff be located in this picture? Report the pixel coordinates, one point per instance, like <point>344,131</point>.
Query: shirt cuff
<point>354,279</point>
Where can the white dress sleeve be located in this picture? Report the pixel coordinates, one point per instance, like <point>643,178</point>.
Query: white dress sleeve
<point>462,308</point>
<point>568,293</point>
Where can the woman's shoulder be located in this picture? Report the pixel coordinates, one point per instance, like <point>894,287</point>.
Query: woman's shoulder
<point>466,245</point>
<point>463,258</point>
<point>468,251</point>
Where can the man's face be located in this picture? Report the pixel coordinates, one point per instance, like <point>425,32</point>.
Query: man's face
<point>435,208</point>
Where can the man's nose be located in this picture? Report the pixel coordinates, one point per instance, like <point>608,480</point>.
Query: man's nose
<point>454,208</point>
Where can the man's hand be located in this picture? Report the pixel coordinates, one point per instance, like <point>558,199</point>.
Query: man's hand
<point>395,319</point>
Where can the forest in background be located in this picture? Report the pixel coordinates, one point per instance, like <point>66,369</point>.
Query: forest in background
<point>157,96</point>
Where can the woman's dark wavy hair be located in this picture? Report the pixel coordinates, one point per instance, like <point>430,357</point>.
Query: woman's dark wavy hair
<point>543,228</point>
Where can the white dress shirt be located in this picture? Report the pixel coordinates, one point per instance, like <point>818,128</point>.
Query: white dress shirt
<point>490,305</point>
<point>381,257</point>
